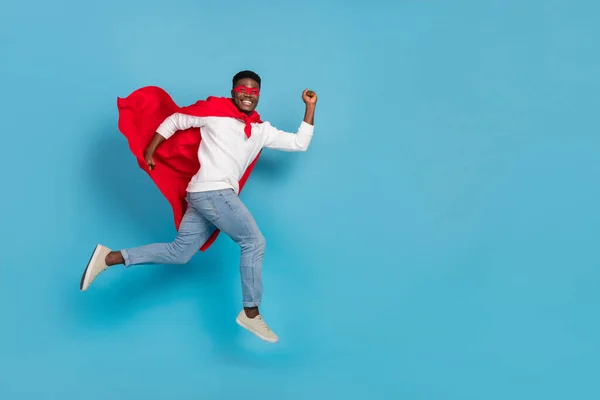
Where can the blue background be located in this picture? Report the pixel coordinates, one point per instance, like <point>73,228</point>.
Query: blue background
<point>437,241</point>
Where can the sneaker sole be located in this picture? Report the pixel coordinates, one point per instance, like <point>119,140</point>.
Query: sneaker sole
<point>246,327</point>
<point>85,277</point>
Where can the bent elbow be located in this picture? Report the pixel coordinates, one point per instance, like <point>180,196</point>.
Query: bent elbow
<point>302,145</point>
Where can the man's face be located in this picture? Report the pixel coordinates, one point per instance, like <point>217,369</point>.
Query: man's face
<point>245,95</point>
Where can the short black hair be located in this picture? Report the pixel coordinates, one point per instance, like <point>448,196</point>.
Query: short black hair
<point>246,74</point>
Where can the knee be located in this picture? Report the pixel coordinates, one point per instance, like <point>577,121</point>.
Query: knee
<point>260,243</point>
<point>185,257</point>
<point>257,243</point>
<point>181,254</point>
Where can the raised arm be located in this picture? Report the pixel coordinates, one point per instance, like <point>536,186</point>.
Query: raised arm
<point>299,141</point>
<point>174,123</point>
<point>310,99</point>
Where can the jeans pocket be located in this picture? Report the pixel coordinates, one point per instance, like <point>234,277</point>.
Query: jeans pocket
<point>203,203</point>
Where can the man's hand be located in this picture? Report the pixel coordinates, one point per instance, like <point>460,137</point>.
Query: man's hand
<point>148,157</point>
<point>151,148</point>
<point>309,97</point>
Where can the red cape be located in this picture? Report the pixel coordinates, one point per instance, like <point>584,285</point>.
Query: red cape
<point>176,159</point>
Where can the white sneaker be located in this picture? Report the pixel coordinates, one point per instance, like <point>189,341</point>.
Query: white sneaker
<point>257,326</point>
<point>96,265</point>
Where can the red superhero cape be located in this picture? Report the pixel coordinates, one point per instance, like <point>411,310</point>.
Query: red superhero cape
<point>176,159</point>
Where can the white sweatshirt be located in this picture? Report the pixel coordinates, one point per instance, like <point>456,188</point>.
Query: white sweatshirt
<point>225,151</point>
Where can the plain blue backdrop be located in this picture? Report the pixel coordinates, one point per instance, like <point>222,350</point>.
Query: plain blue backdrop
<point>437,241</point>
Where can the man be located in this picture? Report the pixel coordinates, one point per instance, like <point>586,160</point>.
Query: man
<point>232,137</point>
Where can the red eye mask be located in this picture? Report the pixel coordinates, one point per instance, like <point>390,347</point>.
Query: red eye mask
<point>244,89</point>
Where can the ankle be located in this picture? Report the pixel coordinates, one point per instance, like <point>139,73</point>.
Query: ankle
<point>114,258</point>
<point>251,312</point>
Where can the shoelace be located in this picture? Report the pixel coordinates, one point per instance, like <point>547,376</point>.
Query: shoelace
<point>263,323</point>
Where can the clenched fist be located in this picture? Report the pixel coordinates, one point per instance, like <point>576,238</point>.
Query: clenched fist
<point>148,157</point>
<point>309,97</point>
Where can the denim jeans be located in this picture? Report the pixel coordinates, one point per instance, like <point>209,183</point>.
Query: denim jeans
<point>224,210</point>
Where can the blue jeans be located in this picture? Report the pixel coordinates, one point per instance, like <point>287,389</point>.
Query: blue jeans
<point>224,210</point>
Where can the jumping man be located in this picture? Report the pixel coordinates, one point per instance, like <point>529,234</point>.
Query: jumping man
<point>229,145</point>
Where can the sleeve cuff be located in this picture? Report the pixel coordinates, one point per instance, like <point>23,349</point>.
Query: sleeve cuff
<point>307,128</point>
<point>164,132</point>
